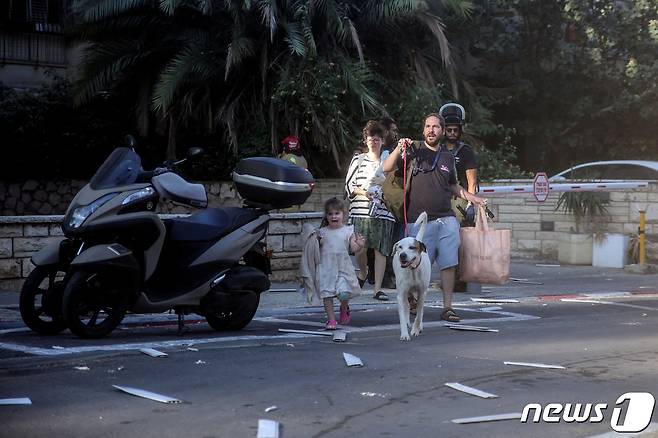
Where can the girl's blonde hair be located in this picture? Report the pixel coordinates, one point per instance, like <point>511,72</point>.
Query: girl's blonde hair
<point>332,204</point>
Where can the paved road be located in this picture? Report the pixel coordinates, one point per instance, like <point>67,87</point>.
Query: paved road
<point>605,335</point>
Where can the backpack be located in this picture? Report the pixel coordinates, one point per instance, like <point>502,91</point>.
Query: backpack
<point>393,187</point>
<point>349,177</point>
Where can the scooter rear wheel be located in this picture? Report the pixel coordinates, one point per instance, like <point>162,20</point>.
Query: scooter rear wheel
<point>92,307</point>
<point>40,302</point>
<point>238,313</point>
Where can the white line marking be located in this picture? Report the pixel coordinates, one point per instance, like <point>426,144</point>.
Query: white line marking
<point>610,303</point>
<point>16,330</point>
<point>38,351</point>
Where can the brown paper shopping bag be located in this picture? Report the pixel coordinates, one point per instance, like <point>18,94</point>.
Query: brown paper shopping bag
<point>484,254</point>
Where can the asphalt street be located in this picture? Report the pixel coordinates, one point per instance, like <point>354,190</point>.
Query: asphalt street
<point>601,325</point>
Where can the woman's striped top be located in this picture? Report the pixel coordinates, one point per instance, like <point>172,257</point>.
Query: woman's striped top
<point>360,204</point>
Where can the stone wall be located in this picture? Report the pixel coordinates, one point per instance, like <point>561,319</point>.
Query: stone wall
<point>34,197</point>
<point>536,228</point>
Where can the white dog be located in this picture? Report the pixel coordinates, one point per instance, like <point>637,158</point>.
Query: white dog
<point>412,268</point>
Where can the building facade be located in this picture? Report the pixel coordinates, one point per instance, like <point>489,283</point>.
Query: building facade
<point>33,46</point>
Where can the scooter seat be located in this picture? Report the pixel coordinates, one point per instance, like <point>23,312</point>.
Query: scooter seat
<point>208,224</point>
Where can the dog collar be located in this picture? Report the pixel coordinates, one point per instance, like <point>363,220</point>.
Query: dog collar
<point>411,266</point>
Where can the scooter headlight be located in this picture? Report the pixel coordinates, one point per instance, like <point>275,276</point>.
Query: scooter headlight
<point>80,214</point>
<point>146,192</point>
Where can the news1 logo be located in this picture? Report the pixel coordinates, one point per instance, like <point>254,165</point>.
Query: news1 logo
<point>637,412</point>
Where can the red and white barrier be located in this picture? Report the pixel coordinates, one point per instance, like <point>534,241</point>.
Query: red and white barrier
<point>563,187</point>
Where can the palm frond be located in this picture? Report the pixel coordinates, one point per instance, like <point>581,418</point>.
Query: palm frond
<point>268,11</point>
<point>239,49</point>
<point>435,25</point>
<point>103,9</point>
<point>190,64</point>
<point>295,39</point>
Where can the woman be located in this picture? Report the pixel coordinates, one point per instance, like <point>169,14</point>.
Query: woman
<point>368,214</point>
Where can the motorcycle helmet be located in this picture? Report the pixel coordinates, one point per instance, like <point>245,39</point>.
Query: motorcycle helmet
<point>291,145</point>
<point>453,114</point>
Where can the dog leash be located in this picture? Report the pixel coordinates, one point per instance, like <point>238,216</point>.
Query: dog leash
<point>404,188</point>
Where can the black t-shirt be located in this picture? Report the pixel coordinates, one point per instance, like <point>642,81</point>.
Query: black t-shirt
<point>430,187</point>
<point>465,159</point>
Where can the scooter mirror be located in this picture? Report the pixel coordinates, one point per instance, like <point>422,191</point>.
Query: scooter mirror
<point>195,152</point>
<point>130,141</point>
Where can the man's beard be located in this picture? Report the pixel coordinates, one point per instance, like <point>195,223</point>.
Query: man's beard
<point>452,139</point>
<point>432,143</point>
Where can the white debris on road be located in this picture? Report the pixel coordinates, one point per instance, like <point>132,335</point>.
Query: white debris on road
<point>486,418</point>
<point>536,365</point>
<point>15,401</point>
<point>268,429</point>
<point>352,361</point>
<point>152,352</point>
<point>147,394</point>
<point>470,390</point>
<point>271,408</point>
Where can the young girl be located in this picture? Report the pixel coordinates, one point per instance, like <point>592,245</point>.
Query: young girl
<point>326,267</point>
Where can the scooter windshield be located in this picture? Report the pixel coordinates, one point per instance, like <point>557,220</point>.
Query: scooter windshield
<point>121,168</point>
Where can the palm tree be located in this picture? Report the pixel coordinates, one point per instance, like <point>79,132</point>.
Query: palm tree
<point>311,67</point>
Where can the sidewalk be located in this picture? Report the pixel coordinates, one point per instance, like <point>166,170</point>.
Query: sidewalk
<point>553,281</point>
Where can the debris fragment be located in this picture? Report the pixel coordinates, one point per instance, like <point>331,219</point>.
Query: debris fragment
<point>352,361</point>
<point>147,394</point>
<point>15,401</point>
<point>268,429</point>
<point>339,336</point>
<point>471,328</point>
<point>192,349</point>
<point>307,332</point>
<point>58,347</point>
<point>536,365</point>
<point>524,281</point>
<point>491,309</point>
<point>271,408</point>
<point>375,394</point>
<point>494,300</point>
<point>290,345</point>
<point>82,368</point>
<point>200,362</point>
<point>470,390</point>
<point>485,418</point>
<point>152,352</point>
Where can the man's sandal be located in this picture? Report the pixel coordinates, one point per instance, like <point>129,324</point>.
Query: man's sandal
<point>362,282</point>
<point>450,315</point>
<point>381,296</point>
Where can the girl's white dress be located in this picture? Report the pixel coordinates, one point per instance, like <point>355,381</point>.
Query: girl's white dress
<point>336,273</point>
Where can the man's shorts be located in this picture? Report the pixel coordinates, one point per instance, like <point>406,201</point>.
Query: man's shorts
<point>441,240</point>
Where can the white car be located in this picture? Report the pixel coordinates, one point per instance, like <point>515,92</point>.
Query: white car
<point>635,170</point>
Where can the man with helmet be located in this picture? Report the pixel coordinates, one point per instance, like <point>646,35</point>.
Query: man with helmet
<point>466,165</point>
<point>292,151</point>
<point>465,159</point>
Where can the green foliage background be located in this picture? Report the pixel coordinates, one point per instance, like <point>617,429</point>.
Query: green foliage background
<point>545,84</point>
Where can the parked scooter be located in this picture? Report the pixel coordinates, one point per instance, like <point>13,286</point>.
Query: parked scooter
<point>119,256</point>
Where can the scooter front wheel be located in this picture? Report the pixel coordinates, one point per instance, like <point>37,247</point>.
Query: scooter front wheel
<point>40,301</point>
<point>239,312</point>
<point>92,307</point>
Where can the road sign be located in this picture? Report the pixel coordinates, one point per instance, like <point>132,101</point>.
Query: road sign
<point>540,187</point>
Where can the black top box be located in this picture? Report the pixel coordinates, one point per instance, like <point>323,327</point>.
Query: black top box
<point>272,183</point>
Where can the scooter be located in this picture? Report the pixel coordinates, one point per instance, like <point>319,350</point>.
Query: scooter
<point>119,256</point>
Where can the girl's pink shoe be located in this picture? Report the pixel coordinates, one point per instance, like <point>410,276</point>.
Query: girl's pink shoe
<point>331,324</point>
<point>344,315</point>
